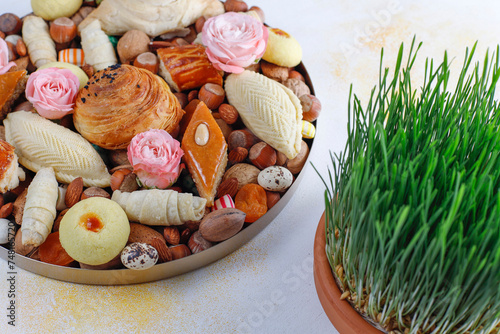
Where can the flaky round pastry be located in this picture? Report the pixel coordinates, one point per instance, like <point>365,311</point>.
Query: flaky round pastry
<point>122,101</point>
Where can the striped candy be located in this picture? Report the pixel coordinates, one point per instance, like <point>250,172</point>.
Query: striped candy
<point>224,202</point>
<point>308,130</point>
<point>72,56</point>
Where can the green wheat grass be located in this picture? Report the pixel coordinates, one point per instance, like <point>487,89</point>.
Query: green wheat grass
<point>413,202</point>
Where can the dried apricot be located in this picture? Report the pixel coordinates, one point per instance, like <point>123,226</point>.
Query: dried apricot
<point>252,200</point>
<point>51,251</point>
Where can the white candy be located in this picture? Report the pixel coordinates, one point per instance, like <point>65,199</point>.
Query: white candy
<point>139,256</point>
<point>224,202</point>
<point>5,225</point>
<point>275,178</point>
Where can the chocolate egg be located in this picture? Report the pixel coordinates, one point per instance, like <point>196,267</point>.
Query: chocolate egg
<point>139,256</point>
<point>275,178</point>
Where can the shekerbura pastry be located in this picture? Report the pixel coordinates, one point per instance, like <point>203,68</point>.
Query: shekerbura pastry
<point>269,109</point>
<point>41,143</point>
<point>94,230</point>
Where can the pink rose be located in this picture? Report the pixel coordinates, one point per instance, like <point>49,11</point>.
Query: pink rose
<point>52,91</point>
<point>234,41</point>
<point>156,158</point>
<point>4,57</point>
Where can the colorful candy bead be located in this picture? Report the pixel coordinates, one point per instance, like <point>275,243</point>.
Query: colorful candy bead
<point>224,202</point>
<point>72,56</point>
<point>308,130</point>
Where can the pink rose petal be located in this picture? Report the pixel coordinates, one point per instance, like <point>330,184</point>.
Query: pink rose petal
<point>234,41</point>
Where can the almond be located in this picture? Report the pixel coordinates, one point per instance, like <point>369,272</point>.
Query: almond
<point>237,154</point>
<point>228,113</point>
<point>185,235</point>
<point>222,224</point>
<point>197,243</point>
<point>74,192</point>
<point>228,187</point>
<point>172,235</point>
<point>164,254</point>
<point>148,235</point>
<point>272,198</point>
<point>6,210</point>
<point>18,208</point>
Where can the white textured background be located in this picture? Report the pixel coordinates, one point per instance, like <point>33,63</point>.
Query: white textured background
<point>267,286</point>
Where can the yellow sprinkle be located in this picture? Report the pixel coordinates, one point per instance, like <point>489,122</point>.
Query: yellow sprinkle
<point>308,130</point>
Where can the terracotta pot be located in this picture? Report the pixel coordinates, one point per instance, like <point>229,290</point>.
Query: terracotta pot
<point>345,318</point>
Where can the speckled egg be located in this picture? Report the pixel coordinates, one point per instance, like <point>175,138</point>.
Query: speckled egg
<point>275,178</point>
<point>139,256</point>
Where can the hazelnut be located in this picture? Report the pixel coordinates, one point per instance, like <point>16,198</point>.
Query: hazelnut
<point>235,6</point>
<point>262,155</point>
<point>148,61</point>
<point>311,107</point>
<point>63,30</point>
<point>179,251</point>
<point>212,94</point>
<point>132,44</point>
<point>10,24</point>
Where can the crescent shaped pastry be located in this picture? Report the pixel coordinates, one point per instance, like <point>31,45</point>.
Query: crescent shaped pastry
<point>41,143</point>
<point>154,17</point>
<point>160,207</point>
<point>122,101</point>
<point>269,109</point>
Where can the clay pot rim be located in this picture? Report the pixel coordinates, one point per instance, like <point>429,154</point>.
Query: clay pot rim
<point>341,314</point>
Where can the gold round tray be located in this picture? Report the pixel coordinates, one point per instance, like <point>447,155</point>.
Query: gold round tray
<point>167,269</point>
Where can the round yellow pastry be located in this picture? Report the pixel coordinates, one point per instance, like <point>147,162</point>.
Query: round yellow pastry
<point>52,9</point>
<point>94,230</point>
<point>282,49</point>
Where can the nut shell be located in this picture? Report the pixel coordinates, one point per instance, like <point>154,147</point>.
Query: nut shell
<point>212,94</point>
<point>311,107</point>
<point>131,44</point>
<point>197,243</point>
<point>222,224</point>
<point>296,164</point>
<point>244,173</point>
<point>62,30</point>
<point>179,251</point>
<point>262,155</point>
